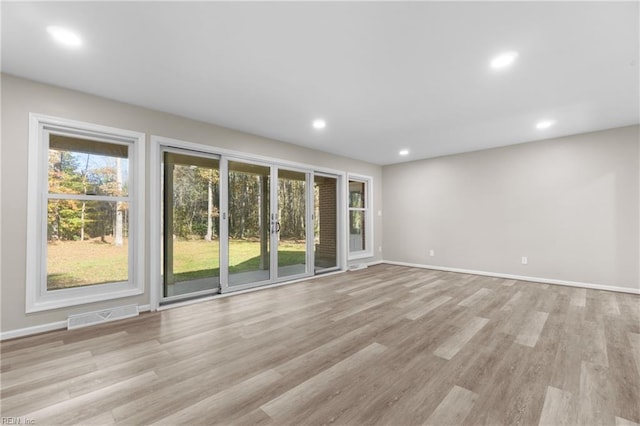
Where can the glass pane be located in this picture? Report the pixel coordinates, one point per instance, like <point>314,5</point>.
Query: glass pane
<point>87,243</point>
<point>356,194</point>
<point>325,222</point>
<point>79,166</point>
<point>249,223</point>
<point>292,244</point>
<point>356,231</point>
<point>191,249</point>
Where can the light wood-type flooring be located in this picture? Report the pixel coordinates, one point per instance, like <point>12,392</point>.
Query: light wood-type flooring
<point>388,345</point>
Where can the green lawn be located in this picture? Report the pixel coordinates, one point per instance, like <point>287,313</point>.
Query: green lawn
<point>75,263</point>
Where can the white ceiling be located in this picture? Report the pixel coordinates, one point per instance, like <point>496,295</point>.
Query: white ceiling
<point>384,76</point>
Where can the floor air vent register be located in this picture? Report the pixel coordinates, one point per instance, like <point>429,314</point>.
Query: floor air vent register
<point>98,317</point>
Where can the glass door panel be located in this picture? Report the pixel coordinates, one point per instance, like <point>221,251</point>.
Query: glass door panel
<point>291,228</point>
<point>325,224</point>
<point>191,244</point>
<point>249,223</point>
<point>357,214</point>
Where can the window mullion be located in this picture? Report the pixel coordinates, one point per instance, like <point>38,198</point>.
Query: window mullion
<point>83,197</point>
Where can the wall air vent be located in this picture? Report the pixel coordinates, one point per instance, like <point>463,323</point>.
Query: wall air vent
<point>98,317</point>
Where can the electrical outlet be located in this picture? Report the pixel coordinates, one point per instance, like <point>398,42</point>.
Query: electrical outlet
<point>525,261</point>
<point>432,252</point>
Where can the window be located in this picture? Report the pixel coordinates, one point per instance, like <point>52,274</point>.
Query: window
<point>360,229</point>
<point>84,229</point>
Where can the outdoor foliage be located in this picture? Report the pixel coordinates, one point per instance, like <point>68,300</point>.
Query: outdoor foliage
<point>196,213</point>
<point>195,205</point>
<point>85,174</point>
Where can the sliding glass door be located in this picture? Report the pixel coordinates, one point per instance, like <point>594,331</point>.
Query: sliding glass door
<point>191,244</point>
<point>291,225</point>
<point>267,227</point>
<point>230,224</point>
<point>249,224</point>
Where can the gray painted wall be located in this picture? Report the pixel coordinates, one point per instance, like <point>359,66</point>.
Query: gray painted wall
<point>20,97</point>
<point>571,205</point>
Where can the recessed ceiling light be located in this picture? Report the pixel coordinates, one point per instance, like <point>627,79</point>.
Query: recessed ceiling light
<point>64,36</point>
<point>503,60</point>
<point>404,152</point>
<point>319,124</point>
<point>545,124</point>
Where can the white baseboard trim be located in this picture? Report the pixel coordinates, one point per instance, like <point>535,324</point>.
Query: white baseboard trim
<point>43,328</point>
<point>519,277</point>
<point>36,329</point>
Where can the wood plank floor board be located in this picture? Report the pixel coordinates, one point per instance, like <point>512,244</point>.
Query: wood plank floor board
<point>360,308</point>
<point>624,422</point>
<point>358,284</point>
<point>526,402</point>
<point>552,301</point>
<point>567,362</point>
<point>422,280</point>
<point>30,355</point>
<point>513,301</point>
<point>579,298</point>
<point>594,349</point>
<point>609,303</point>
<point>455,343</point>
<point>530,333</point>
<point>92,404</point>
<point>281,407</point>
<point>386,345</point>
<point>506,381</point>
<point>481,364</point>
<point>427,307</point>
<point>42,396</point>
<point>454,408</point>
<point>34,400</point>
<point>323,356</point>
<point>634,342</point>
<point>255,417</point>
<point>476,297</point>
<point>623,380</point>
<point>557,408</point>
<point>401,401</point>
<point>226,403</point>
<point>160,402</point>
<point>630,312</point>
<point>428,286</point>
<point>595,398</point>
<point>490,307</point>
<point>52,370</point>
<point>516,319</point>
<point>23,358</point>
<point>426,333</point>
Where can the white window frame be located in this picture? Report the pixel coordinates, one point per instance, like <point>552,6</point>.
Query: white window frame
<point>368,216</point>
<point>38,298</point>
